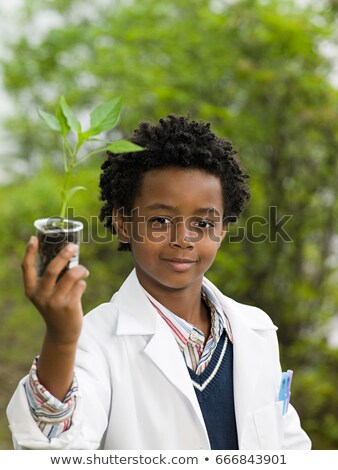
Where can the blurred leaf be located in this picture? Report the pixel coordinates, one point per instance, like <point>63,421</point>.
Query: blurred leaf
<point>105,116</point>
<point>70,117</point>
<point>51,121</point>
<point>63,121</point>
<point>123,146</point>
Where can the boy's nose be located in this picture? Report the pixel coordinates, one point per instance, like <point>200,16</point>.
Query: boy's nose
<point>181,235</point>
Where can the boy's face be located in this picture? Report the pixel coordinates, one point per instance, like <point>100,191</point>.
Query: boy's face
<point>175,229</point>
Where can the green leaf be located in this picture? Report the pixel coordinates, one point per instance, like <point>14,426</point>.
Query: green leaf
<point>50,120</point>
<point>63,121</point>
<point>123,146</point>
<point>72,121</point>
<point>105,116</point>
<point>75,189</point>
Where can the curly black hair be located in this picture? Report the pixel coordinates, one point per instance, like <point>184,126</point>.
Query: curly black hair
<point>173,142</point>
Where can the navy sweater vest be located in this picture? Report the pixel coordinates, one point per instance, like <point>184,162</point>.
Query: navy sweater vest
<point>214,391</point>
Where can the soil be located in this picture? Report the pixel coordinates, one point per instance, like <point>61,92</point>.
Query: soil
<point>50,245</point>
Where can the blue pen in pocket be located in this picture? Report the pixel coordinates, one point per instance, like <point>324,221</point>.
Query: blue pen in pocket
<point>285,390</point>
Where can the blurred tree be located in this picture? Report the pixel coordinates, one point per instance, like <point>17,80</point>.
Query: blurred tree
<point>256,71</point>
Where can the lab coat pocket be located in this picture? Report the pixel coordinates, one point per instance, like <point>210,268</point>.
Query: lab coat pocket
<point>270,423</point>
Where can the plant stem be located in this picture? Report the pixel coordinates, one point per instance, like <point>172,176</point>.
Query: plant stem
<point>64,151</point>
<point>68,174</point>
<point>64,192</point>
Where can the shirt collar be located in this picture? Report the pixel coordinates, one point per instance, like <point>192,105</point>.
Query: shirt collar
<point>183,330</point>
<point>220,317</point>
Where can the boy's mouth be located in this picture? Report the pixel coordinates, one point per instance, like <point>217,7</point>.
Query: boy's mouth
<point>179,264</point>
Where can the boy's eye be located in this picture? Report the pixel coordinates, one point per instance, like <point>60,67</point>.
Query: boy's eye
<point>161,221</point>
<point>203,224</point>
<point>157,221</point>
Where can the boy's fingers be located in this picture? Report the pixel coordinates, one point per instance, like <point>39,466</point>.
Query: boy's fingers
<point>76,292</point>
<point>69,280</point>
<point>55,267</point>
<point>28,267</point>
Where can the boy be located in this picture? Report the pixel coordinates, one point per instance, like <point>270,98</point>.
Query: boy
<point>170,362</point>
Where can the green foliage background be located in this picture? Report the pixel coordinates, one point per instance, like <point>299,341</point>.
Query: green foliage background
<point>255,70</point>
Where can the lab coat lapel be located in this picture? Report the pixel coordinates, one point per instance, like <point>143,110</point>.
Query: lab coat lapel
<point>136,316</point>
<point>249,350</point>
<point>162,349</point>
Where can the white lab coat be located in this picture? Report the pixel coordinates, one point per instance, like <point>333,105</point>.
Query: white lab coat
<point>135,391</point>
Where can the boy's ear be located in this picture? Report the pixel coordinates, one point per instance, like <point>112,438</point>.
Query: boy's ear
<point>121,225</point>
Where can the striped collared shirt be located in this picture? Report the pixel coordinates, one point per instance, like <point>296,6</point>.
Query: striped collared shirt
<point>52,415</point>
<point>189,338</point>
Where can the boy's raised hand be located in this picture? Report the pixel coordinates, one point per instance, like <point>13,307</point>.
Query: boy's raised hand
<point>59,303</point>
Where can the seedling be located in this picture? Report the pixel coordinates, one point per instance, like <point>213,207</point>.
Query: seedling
<point>103,118</point>
<point>54,232</point>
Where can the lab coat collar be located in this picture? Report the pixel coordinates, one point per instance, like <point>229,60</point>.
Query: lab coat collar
<point>138,317</point>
